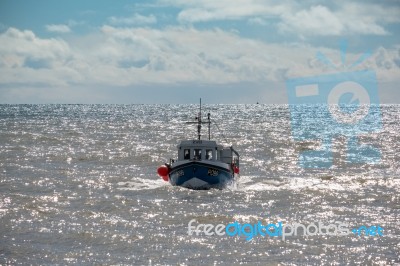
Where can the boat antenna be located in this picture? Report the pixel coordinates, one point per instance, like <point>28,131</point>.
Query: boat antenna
<point>209,124</point>
<point>199,122</point>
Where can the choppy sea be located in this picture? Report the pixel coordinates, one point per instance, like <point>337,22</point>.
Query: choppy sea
<point>78,185</point>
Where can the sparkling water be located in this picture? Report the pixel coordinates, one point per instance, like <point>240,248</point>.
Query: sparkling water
<point>79,185</point>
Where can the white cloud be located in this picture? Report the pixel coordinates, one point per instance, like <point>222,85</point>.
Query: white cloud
<point>180,54</point>
<point>321,21</point>
<point>27,59</point>
<point>26,44</point>
<point>257,21</point>
<point>136,19</point>
<point>59,28</point>
<point>137,56</point>
<point>317,21</point>
<point>198,11</point>
<point>122,57</point>
<point>371,12</point>
<point>303,19</point>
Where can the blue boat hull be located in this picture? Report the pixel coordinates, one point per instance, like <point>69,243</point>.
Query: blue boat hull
<point>199,175</point>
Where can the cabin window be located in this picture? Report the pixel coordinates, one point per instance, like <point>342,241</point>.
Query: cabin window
<point>186,154</point>
<point>197,154</point>
<point>209,154</point>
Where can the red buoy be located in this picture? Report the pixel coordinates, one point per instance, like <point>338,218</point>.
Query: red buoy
<point>236,169</point>
<point>163,171</point>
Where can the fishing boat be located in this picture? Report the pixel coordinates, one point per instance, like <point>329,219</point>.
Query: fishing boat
<point>201,164</point>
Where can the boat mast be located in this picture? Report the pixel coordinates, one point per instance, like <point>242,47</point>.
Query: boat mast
<point>209,123</point>
<point>199,123</point>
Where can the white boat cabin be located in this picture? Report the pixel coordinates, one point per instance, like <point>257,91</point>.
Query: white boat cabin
<point>204,150</point>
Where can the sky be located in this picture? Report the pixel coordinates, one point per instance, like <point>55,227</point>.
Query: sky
<point>176,51</point>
